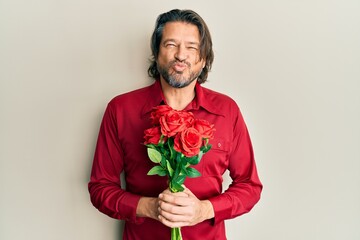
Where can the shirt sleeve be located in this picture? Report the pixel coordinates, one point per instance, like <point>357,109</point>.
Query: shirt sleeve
<point>245,189</point>
<point>104,186</point>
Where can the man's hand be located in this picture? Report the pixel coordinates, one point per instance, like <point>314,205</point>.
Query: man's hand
<point>183,209</point>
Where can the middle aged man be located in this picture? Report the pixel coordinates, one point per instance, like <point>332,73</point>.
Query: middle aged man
<point>182,57</point>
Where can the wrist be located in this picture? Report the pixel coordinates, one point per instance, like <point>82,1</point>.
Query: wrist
<point>147,207</point>
<point>207,210</point>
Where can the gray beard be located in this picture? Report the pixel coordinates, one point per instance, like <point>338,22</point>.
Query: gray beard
<point>175,80</point>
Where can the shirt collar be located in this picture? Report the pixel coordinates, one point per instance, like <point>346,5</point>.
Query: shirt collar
<point>155,98</point>
<point>203,99</point>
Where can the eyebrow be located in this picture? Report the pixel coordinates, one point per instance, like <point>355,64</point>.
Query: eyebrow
<point>194,43</point>
<point>168,40</point>
<point>174,40</point>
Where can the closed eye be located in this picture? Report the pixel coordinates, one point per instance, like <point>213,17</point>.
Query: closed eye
<point>170,45</point>
<point>193,48</point>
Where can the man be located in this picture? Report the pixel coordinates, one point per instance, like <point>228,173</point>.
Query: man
<point>182,57</point>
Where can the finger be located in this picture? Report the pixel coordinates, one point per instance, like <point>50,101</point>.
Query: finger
<point>175,198</point>
<point>167,191</point>
<point>171,224</point>
<point>174,217</point>
<point>173,209</point>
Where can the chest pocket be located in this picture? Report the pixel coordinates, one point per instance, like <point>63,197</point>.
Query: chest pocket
<point>216,161</point>
<point>220,144</point>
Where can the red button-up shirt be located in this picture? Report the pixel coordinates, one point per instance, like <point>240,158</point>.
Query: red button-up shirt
<point>120,148</point>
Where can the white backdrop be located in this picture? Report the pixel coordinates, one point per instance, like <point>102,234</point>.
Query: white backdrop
<point>292,66</point>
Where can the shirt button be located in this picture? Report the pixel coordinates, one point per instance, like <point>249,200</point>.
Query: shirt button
<point>219,145</point>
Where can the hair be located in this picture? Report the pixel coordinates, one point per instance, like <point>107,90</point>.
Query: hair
<point>187,16</point>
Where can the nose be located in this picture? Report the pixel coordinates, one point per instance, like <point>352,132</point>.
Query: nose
<point>181,54</point>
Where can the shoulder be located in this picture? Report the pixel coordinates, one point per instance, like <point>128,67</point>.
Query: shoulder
<point>135,100</point>
<point>214,95</point>
<point>131,97</point>
<point>219,101</point>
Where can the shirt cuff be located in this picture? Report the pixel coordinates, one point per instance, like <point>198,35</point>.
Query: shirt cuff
<point>128,208</point>
<point>222,209</point>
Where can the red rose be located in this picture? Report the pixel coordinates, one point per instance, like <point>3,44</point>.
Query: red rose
<point>159,111</point>
<point>153,136</point>
<point>175,121</point>
<point>205,128</point>
<point>188,142</point>
<point>187,117</point>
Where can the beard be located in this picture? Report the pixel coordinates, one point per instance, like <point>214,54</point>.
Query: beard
<point>178,79</point>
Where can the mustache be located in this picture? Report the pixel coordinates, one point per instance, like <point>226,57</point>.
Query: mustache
<point>173,62</point>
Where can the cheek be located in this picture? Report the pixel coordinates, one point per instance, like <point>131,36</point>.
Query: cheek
<point>165,56</point>
<point>197,66</point>
<point>165,62</point>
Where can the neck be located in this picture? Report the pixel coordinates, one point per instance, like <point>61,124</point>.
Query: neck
<point>178,98</point>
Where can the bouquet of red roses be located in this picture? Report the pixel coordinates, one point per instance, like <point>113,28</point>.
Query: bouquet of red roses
<point>176,141</point>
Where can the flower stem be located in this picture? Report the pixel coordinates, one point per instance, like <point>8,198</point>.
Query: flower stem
<point>176,234</point>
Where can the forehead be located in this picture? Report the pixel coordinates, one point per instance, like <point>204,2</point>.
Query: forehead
<point>181,31</point>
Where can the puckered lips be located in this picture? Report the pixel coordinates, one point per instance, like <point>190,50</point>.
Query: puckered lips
<point>179,67</point>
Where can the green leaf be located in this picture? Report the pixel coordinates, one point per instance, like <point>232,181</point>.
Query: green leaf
<point>192,172</point>
<point>157,170</point>
<point>180,179</point>
<point>201,153</point>
<point>163,162</point>
<point>177,169</point>
<point>151,146</point>
<point>178,157</point>
<point>169,168</point>
<point>175,187</point>
<point>154,155</point>
<point>206,148</point>
<point>193,160</point>
<point>172,152</point>
<point>183,170</point>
